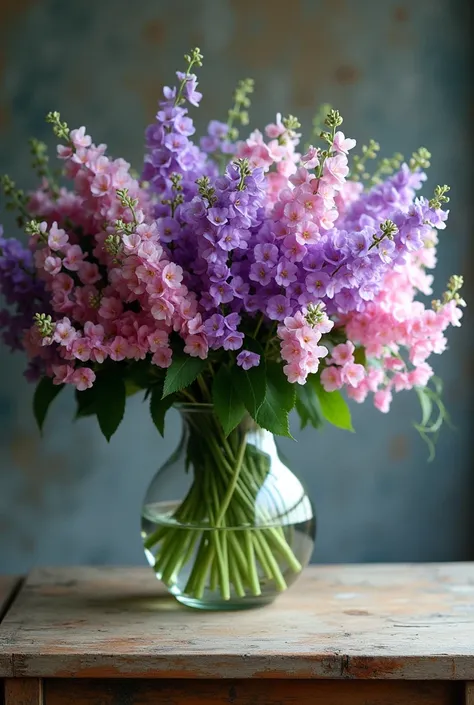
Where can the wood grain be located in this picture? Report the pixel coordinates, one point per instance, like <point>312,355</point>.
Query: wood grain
<point>338,622</point>
<point>268,692</point>
<point>8,586</point>
<point>23,691</point>
<point>469,693</point>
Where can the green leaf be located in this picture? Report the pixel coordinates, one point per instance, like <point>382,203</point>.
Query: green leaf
<point>182,372</point>
<point>333,405</point>
<point>360,356</point>
<point>278,402</point>
<point>45,393</point>
<point>110,402</point>
<point>250,385</point>
<point>159,407</point>
<point>426,405</point>
<point>307,406</point>
<point>86,402</point>
<point>228,405</point>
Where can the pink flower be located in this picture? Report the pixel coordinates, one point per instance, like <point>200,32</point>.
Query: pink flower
<point>382,400</point>
<point>294,213</point>
<point>79,138</point>
<point>172,275</point>
<point>336,169</point>
<point>353,374</point>
<point>295,373</point>
<point>101,185</point>
<point>331,378</point>
<point>89,273</point>
<point>162,357</point>
<point>83,378</point>
<point>311,158</point>
<point>162,310</point>
<point>157,339</point>
<point>307,337</point>
<point>64,333</point>
<point>81,349</point>
<point>52,265</point>
<point>74,258</point>
<point>63,282</point>
<point>343,353</point>
<point>343,144</point>
<point>118,348</point>
<point>196,346</point>
<point>62,374</point>
<point>57,238</point>
<point>64,151</point>
<point>110,307</point>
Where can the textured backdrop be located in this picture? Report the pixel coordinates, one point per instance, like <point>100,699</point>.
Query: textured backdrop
<point>399,73</point>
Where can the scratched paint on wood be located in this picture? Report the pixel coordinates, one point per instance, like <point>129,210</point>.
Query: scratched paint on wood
<point>368,622</point>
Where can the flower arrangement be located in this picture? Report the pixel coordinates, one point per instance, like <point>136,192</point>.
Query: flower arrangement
<point>238,272</point>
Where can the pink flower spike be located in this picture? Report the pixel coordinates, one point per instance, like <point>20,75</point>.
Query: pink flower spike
<point>83,378</point>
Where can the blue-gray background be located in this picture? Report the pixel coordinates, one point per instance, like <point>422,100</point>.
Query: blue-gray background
<point>399,73</point>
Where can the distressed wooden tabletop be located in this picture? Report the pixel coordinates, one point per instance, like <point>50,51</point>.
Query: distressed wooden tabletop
<point>365,622</point>
<point>8,586</point>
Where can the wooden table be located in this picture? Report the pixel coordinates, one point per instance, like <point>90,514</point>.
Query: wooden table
<point>364,635</point>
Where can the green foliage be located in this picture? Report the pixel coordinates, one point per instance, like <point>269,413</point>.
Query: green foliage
<point>159,406</point>
<point>86,402</point>
<point>251,384</point>
<point>228,405</point>
<point>182,372</point>
<point>279,401</point>
<point>334,408</point>
<point>360,356</point>
<point>44,395</point>
<point>307,406</point>
<point>433,415</point>
<point>110,401</point>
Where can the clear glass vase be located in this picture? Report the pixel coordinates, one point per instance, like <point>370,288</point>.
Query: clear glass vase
<point>225,523</point>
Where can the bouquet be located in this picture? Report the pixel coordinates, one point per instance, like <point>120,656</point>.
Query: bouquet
<point>250,274</point>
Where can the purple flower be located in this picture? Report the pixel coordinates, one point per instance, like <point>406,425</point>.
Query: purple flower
<point>316,283</point>
<point>229,238</point>
<point>247,359</point>
<point>266,253</point>
<point>221,293</point>
<point>214,326</point>
<point>233,341</point>
<point>278,307</point>
<point>217,216</point>
<point>286,272</point>
<point>261,272</point>
<point>240,287</point>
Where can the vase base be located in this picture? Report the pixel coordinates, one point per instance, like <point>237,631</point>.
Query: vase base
<point>225,605</point>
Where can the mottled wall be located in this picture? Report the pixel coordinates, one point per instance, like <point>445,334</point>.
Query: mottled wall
<point>398,72</point>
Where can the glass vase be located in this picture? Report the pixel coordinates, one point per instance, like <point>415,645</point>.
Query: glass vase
<point>225,523</point>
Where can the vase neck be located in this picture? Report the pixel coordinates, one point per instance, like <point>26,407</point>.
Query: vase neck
<point>201,418</point>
